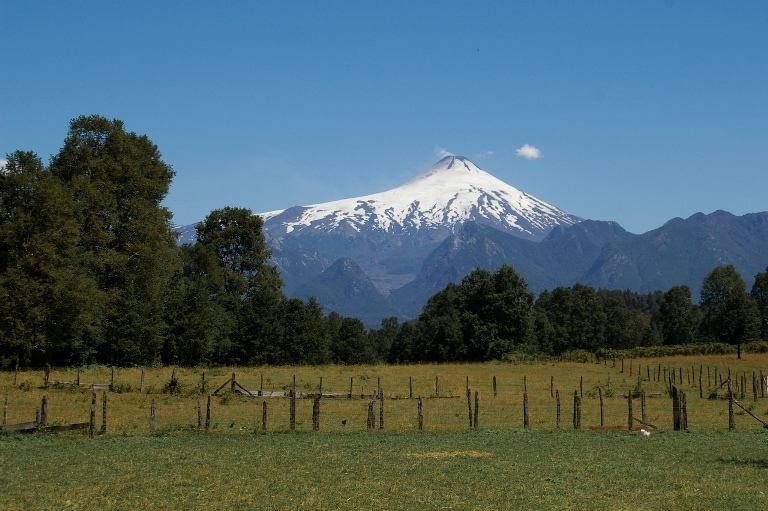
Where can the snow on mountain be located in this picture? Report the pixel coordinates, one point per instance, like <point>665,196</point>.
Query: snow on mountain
<point>451,192</point>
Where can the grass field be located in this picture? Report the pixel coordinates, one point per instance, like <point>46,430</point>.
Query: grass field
<point>484,469</point>
<point>500,465</point>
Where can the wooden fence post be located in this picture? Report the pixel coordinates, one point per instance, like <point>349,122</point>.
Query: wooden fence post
<point>208,413</point>
<point>420,411</point>
<point>350,387</point>
<point>731,417</point>
<point>316,414</point>
<point>199,413</point>
<point>381,408</point>
<point>5,409</point>
<point>410,387</point>
<point>581,387</point>
<point>16,373</point>
<point>371,414</point>
<point>292,410</point>
<point>577,410</point>
<point>92,419</point>
<point>525,410</point>
<point>477,409</point>
<point>437,386</point>
<point>551,386</point>
<point>469,406</point>
<point>754,387</point>
<point>557,401</point>
<point>151,415</point>
<point>321,387</point>
<point>261,385</point>
<point>103,412</point>
<point>600,396</point>
<point>264,415</point>
<point>643,416</point>
<point>629,411</point>
<point>44,412</point>
<point>494,385</point>
<point>202,382</point>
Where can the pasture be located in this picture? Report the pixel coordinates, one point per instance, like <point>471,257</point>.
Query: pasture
<point>447,465</point>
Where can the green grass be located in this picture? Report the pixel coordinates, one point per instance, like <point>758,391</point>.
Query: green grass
<point>485,469</point>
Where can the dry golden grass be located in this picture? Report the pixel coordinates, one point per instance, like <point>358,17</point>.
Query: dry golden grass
<point>448,411</point>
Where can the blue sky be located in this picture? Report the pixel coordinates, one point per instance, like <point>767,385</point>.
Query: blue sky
<point>641,111</point>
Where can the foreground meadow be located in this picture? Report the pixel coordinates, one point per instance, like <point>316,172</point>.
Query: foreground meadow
<point>481,469</point>
<point>235,464</point>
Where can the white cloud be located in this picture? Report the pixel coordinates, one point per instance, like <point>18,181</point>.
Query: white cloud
<point>529,152</point>
<point>485,154</point>
<point>443,152</point>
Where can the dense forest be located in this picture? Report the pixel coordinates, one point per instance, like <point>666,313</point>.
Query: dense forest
<point>90,272</point>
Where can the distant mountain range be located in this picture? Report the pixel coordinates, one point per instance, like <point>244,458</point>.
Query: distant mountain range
<point>385,254</point>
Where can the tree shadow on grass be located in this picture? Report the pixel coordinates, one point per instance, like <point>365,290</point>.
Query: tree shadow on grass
<point>743,462</point>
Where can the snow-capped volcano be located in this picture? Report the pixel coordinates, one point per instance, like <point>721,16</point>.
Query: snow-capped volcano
<point>449,193</point>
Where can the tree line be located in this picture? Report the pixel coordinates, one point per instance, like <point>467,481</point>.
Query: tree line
<point>90,272</point>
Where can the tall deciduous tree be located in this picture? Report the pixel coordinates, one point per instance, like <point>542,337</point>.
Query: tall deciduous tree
<point>117,181</point>
<point>729,313</point>
<point>759,294</point>
<point>244,287</point>
<point>47,308</point>
<point>677,317</point>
